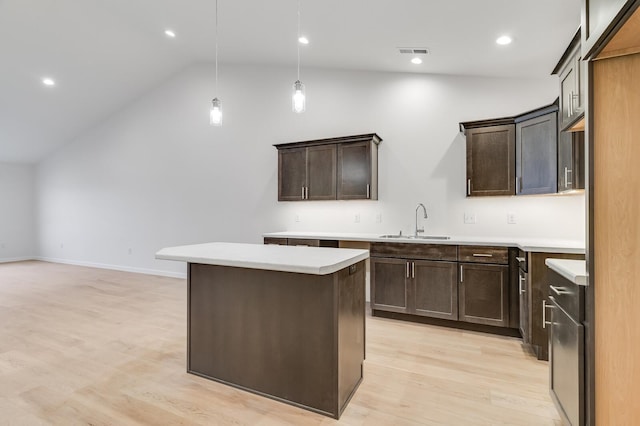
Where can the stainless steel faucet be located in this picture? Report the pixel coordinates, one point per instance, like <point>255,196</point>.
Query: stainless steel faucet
<point>424,209</point>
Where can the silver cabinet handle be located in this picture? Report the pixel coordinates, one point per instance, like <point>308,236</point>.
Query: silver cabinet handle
<point>303,192</point>
<point>407,269</point>
<point>413,269</point>
<point>566,179</point>
<point>544,314</point>
<point>558,290</point>
<point>567,171</point>
<point>521,281</point>
<point>468,186</point>
<point>520,259</point>
<point>306,190</point>
<point>461,274</point>
<point>368,191</point>
<point>482,255</point>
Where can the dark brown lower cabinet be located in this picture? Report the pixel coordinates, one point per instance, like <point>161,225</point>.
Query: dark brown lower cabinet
<point>389,284</point>
<point>435,289</point>
<point>484,294</point>
<point>420,287</point>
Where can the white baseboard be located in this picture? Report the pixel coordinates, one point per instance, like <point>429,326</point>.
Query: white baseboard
<point>16,259</point>
<point>146,271</point>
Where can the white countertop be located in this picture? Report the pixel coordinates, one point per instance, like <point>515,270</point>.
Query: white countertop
<point>573,270</point>
<point>539,245</point>
<point>304,260</point>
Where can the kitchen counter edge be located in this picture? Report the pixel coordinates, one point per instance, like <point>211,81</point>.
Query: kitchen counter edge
<point>525,244</point>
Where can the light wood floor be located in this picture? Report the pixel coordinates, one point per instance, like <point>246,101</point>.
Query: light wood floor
<point>83,346</point>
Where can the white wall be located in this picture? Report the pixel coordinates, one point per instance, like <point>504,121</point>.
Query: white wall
<point>17,207</point>
<point>156,174</point>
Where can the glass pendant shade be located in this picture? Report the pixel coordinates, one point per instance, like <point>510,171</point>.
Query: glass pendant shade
<point>215,114</point>
<point>298,100</point>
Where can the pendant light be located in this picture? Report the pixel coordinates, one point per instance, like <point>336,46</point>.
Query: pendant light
<point>215,114</point>
<point>298,99</point>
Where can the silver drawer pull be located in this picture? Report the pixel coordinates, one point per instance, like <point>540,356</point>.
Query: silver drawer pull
<point>545,323</point>
<point>520,259</point>
<point>482,255</point>
<point>559,290</point>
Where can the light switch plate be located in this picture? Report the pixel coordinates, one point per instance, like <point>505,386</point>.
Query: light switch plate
<point>511,218</point>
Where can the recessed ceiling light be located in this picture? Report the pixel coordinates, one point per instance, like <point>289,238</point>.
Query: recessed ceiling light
<point>416,61</point>
<point>503,40</point>
<point>170,33</point>
<point>48,81</point>
<point>303,40</point>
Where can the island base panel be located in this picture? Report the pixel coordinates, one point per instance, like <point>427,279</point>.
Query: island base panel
<point>294,337</point>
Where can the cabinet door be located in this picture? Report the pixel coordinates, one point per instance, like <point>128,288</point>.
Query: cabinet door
<point>566,361</point>
<point>600,15</point>
<point>389,284</point>
<point>484,294</point>
<point>321,172</point>
<point>536,155</point>
<point>579,95</point>
<point>354,171</point>
<point>292,174</point>
<point>524,306</point>
<point>565,161</point>
<point>567,90</point>
<point>435,289</point>
<point>490,160</point>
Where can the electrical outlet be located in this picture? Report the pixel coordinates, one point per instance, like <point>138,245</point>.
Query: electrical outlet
<point>130,251</point>
<point>469,218</point>
<point>61,245</point>
<point>379,218</point>
<point>297,218</point>
<point>511,218</point>
<point>356,218</point>
<point>1,245</point>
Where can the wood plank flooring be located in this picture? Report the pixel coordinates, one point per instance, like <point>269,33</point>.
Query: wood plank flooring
<point>83,346</point>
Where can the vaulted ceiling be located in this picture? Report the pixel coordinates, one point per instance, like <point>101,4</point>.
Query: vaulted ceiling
<point>105,53</point>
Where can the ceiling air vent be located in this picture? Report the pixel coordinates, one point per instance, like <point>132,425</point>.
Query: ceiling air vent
<point>414,50</point>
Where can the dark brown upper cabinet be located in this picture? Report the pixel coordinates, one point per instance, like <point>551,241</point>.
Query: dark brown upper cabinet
<point>536,152</point>
<point>512,155</point>
<point>344,168</point>
<point>307,173</point>
<point>570,70</point>
<point>490,155</point>
<point>600,20</point>
<point>358,170</point>
<point>571,161</point>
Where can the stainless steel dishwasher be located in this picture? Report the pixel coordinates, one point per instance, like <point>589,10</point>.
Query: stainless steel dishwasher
<point>566,348</point>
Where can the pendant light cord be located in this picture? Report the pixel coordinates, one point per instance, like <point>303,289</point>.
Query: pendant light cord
<point>216,47</point>
<point>297,41</point>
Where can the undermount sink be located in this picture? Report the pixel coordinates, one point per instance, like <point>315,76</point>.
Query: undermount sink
<point>416,237</point>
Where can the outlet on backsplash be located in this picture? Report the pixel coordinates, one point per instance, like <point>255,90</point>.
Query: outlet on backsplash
<point>469,218</point>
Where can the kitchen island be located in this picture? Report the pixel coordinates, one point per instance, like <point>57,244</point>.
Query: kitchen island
<point>285,322</point>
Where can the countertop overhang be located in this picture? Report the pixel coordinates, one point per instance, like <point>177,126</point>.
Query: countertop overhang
<point>573,270</point>
<point>298,259</point>
<point>538,245</point>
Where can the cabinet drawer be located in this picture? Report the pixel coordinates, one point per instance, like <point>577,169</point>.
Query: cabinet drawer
<point>312,242</point>
<point>273,240</point>
<point>483,254</point>
<point>415,251</point>
<point>567,294</point>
